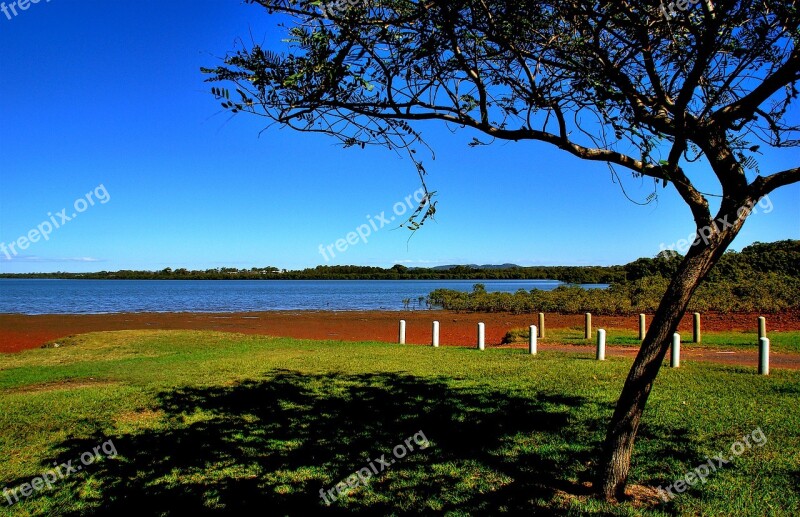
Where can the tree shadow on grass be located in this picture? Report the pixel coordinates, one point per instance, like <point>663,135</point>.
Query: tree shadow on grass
<point>271,445</point>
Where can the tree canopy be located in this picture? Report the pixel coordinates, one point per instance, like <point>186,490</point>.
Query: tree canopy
<point>617,82</point>
<point>635,84</point>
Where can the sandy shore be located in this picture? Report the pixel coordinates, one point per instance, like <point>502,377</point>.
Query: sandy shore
<point>20,332</point>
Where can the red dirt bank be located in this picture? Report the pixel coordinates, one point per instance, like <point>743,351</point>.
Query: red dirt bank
<point>20,332</point>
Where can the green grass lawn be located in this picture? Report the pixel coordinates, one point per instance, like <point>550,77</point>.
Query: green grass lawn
<point>204,421</point>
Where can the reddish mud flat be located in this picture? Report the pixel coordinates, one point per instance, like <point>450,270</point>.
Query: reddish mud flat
<point>20,332</point>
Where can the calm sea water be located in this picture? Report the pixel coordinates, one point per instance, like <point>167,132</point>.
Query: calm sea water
<point>34,296</point>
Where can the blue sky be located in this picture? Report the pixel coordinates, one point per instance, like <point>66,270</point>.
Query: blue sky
<point>97,93</point>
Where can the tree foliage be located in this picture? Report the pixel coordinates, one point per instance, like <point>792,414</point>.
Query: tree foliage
<point>597,80</point>
<point>616,81</point>
<point>763,277</point>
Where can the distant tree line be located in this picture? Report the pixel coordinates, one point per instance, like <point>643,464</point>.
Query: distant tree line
<point>762,277</point>
<point>569,274</point>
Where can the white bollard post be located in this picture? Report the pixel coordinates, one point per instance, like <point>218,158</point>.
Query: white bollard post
<point>401,337</point>
<point>587,331</point>
<point>435,340</point>
<point>642,327</point>
<point>601,344</point>
<point>675,355</point>
<point>762,327</point>
<point>696,337</point>
<point>540,328</point>
<point>481,336</point>
<point>763,356</point>
<point>532,340</point>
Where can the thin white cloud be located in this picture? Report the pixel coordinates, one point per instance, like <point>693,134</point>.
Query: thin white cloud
<point>44,260</point>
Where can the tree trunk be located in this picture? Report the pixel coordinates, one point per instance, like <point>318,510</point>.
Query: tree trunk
<point>618,446</point>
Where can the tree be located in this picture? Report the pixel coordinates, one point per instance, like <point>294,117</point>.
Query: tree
<point>400,269</point>
<point>665,264</point>
<point>642,87</point>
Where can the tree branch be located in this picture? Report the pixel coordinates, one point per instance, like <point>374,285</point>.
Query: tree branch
<point>763,185</point>
<point>745,108</point>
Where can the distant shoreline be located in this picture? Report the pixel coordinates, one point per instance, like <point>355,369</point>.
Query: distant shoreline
<point>74,296</point>
<point>566,274</point>
<point>463,279</point>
